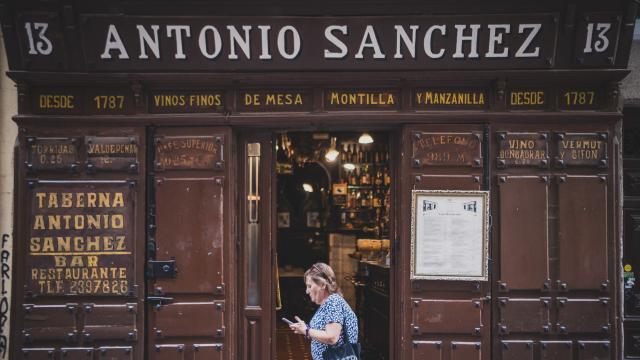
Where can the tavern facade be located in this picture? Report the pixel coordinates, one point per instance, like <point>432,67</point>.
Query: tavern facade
<point>154,141</point>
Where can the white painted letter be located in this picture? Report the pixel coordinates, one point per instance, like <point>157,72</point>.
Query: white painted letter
<point>428,41</point>
<point>264,35</point>
<point>335,41</point>
<point>473,51</point>
<point>237,39</point>
<point>535,28</point>
<point>178,29</point>
<point>370,40</point>
<point>217,42</point>
<point>409,43</point>
<point>145,38</point>
<point>113,43</point>
<point>282,48</point>
<point>495,38</point>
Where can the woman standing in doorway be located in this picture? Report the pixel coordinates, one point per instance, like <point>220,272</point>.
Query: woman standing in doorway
<point>334,321</point>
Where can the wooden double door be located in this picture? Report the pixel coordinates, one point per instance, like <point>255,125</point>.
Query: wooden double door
<point>551,269</point>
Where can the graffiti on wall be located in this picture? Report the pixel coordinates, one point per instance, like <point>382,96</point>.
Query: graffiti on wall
<point>5,278</point>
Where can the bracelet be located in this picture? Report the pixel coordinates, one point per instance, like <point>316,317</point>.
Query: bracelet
<point>306,332</point>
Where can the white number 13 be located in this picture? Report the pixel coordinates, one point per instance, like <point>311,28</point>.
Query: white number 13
<point>42,45</point>
<point>602,42</point>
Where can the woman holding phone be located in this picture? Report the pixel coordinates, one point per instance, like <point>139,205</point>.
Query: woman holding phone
<point>334,315</point>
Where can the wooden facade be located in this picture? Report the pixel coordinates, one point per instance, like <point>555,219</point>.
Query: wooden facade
<point>141,123</point>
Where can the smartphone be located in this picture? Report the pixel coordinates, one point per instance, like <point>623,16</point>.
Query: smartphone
<point>287,321</point>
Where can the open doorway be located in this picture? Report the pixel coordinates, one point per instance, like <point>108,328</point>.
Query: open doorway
<point>334,206</point>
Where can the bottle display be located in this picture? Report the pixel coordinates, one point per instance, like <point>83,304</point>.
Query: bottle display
<point>368,181</point>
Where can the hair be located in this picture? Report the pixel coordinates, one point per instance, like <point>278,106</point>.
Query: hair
<point>322,274</point>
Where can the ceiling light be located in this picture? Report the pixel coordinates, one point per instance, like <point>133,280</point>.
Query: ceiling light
<point>349,166</point>
<point>332,153</point>
<point>365,138</point>
<point>307,187</point>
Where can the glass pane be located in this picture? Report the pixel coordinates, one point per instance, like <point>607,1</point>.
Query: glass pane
<point>253,224</point>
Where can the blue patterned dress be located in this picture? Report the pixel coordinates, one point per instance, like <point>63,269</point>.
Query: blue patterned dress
<point>334,310</point>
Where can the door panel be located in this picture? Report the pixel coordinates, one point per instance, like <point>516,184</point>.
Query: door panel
<point>556,350</point>
<point>103,322</point>
<point>582,222</point>
<point>524,231</point>
<point>191,319</point>
<point>583,315</point>
<point>447,316</point>
<point>517,350</point>
<point>50,322</point>
<point>449,182</point>
<point>466,351</point>
<point>192,205</point>
<point>454,314</point>
<point>523,315</point>
<point>594,350</point>
<point>190,253</point>
<point>427,350</point>
<point>207,352</point>
<point>76,353</point>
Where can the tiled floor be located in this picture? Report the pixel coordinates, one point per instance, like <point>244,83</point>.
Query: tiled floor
<point>290,346</point>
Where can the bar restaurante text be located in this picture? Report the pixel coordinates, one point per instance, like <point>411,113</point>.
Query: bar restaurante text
<point>290,43</point>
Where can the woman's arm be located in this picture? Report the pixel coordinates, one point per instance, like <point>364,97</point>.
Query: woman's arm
<point>329,336</point>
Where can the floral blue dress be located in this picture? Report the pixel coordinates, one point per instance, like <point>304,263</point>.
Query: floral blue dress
<point>334,310</point>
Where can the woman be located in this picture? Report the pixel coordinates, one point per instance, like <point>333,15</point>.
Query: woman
<point>334,314</point>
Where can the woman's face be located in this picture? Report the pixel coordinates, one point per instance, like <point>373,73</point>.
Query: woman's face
<point>316,292</point>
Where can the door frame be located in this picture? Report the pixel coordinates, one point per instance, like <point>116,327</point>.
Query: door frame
<point>256,324</point>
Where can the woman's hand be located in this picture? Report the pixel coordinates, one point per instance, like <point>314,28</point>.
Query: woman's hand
<point>300,327</point>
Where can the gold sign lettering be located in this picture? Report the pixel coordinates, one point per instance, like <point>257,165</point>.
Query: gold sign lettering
<point>449,98</point>
<point>52,153</point>
<point>361,98</point>
<point>193,152</point>
<point>522,149</point>
<point>80,242</point>
<point>273,99</point>
<point>527,98</point>
<point>453,149</point>
<point>47,101</point>
<point>109,102</point>
<point>187,100</point>
<point>583,149</point>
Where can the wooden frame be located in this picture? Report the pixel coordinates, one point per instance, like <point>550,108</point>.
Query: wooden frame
<point>473,217</point>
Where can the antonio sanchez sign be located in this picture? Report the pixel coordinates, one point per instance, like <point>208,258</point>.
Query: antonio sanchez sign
<point>118,43</point>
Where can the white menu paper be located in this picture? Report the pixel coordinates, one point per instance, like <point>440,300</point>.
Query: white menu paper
<point>449,235</point>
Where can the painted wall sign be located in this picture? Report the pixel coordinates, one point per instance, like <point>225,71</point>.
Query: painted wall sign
<point>186,101</point>
<point>527,99</point>
<point>437,99</point>
<point>274,100</point>
<point>80,238</point>
<point>582,149</point>
<point>522,149</point>
<point>356,99</point>
<point>114,43</point>
<point>57,101</point>
<point>52,154</point>
<point>581,99</point>
<point>112,153</point>
<point>189,153</point>
<point>446,149</point>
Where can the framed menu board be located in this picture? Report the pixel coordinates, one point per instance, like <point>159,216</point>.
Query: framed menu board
<point>449,235</point>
